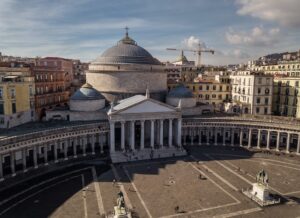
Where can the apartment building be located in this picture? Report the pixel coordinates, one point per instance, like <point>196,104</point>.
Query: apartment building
<point>53,78</point>
<point>16,96</point>
<point>286,96</point>
<point>251,93</point>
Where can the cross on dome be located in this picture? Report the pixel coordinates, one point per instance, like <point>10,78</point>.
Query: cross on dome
<point>126,29</point>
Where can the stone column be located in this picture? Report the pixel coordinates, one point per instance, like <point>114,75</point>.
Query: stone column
<point>132,135</point>
<point>224,136</point>
<point>298,145</point>
<point>179,132</point>
<point>12,163</point>
<point>93,143</point>
<point>250,138</point>
<point>55,151</point>
<point>200,137</point>
<point>161,133</point>
<point>258,138</point>
<point>142,134</point>
<point>207,136</point>
<point>288,142</point>
<point>35,163</point>
<point>123,135</point>
<point>66,149</point>
<point>268,140</point>
<point>216,136</point>
<point>241,137</point>
<point>1,168</point>
<point>170,132</point>
<point>278,141</point>
<point>112,136</point>
<point>84,139</point>
<point>75,143</point>
<point>152,134</point>
<point>101,142</point>
<point>232,137</point>
<point>46,154</point>
<point>24,160</point>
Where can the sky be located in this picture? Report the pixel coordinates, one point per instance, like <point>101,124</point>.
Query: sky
<point>238,30</point>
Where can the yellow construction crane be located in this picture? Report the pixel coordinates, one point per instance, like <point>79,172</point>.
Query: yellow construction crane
<point>198,52</point>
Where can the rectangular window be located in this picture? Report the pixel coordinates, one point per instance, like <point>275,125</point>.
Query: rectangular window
<point>1,93</point>
<point>297,83</point>
<point>258,100</point>
<point>30,91</point>
<point>214,87</point>
<point>259,90</point>
<point>12,93</point>
<point>1,108</point>
<point>14,108</point>
<point>266,101</point>
<point>266,110</point>
<point>200,87</point>
<point>257,110</point>
<point>221,87</point>
<point>207,87</point>
<point>259,80</point>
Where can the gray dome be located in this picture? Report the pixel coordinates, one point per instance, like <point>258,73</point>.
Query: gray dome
<point>126,52</point>
<point>180,91</point>
<point>87,92</point>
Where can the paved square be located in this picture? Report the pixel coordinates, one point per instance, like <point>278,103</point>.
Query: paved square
<point>163,186</point>
<point>154,188</point>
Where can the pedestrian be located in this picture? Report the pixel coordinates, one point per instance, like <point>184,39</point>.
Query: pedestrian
<point>114,182</point>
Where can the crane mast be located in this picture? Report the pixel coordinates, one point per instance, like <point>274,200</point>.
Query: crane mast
<point>198,52</point>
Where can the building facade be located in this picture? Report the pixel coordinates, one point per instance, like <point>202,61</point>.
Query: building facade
<point>285,68</point>
<point>213,89</point>
<point>252,93</point>
<point>53,77</point>
<point>17,91</point>
<point>286,96</point>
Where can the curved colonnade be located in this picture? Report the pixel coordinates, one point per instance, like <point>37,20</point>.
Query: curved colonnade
<point>248,133</point>
<point>29,151</point>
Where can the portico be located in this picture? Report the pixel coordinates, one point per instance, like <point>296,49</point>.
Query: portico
<point>141,123</point>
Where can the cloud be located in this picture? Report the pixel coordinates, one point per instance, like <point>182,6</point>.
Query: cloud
<point>192,43</point>
<point>258,36</point>
<point>284,12</point>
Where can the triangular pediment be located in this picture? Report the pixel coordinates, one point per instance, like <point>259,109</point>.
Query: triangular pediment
<point>148,106</point>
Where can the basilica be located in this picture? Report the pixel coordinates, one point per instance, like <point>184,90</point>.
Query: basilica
<point>127,86</point>
<point>126,112</point>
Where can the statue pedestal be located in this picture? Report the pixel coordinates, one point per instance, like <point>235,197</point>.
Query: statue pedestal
<point>260,191</point>
<point>121,213</point>
<point>261,195</point>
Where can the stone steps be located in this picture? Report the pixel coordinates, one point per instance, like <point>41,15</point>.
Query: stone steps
<point>146,154</point>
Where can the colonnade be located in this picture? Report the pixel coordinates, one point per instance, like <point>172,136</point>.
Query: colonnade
<point>274,139</point>
<point>52,151</point>
<point>155,131</point>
